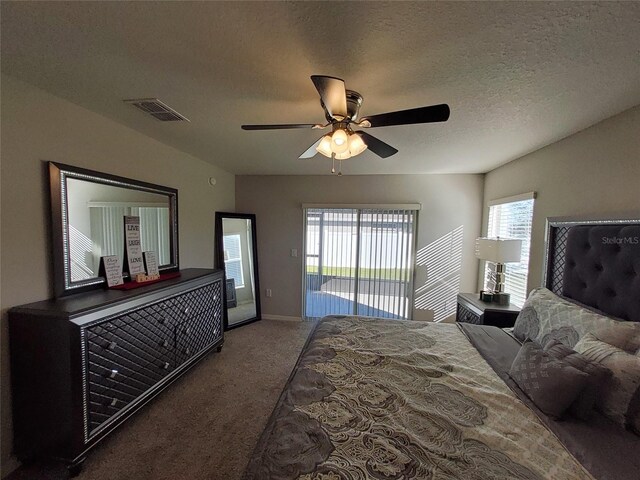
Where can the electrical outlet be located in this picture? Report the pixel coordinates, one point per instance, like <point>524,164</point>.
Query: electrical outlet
<point>268,292</point>
<point>294,252</point>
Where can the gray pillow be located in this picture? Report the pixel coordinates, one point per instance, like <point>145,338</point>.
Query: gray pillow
<point>620,399</point>
<point>582,407</point>
<point>552,385</point>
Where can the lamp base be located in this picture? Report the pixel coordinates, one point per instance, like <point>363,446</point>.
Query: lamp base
<point>502,298</point>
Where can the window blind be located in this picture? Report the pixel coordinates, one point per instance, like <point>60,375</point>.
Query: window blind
<point>233,259</point>
<point>512,219</point>
<point>358,261</point>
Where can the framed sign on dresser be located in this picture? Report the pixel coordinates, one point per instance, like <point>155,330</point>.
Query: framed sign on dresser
<point>82,364</point>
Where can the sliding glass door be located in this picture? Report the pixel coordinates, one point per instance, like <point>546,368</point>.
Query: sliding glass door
<point>358,261</point>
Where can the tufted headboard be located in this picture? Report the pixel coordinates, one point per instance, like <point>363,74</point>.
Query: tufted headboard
<point>596,263</point>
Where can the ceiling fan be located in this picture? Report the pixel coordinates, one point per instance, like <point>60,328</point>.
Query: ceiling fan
<point>341,109</point>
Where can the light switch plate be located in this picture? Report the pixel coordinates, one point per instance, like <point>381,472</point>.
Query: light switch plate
<point>294,252</point>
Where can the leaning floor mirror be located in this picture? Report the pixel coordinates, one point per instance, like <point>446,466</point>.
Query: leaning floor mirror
<point>236,252</point>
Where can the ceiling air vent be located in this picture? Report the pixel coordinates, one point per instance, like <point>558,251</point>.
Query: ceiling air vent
<point>157,109</point>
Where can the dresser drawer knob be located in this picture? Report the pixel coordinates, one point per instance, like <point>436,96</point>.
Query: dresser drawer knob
<point>112,346</point>
<point>166,365</point>
<point>112,373</point>
<point>113,402</point>
<point>186,310</point>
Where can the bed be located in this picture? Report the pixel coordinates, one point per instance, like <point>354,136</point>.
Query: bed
<point>386,399</point>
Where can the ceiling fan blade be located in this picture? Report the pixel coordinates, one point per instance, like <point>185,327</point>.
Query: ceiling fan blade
<point>311,151</point>
<point>333,95</point>
<point>281,126</point>
<point>376,145</point>
<point>433,113</point>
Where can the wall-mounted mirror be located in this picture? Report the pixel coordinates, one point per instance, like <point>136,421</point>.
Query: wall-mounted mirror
<point>87,218</point>
<point>236,252</point>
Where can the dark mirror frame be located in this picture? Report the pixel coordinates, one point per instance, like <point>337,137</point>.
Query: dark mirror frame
<point>219,256</point>
<point>58,174</point>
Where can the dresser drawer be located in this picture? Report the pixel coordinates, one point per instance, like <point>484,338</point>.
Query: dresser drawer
<point>188,305</point>
<point>122,364</point>
<point>198,333</point>
<point>467,315</point>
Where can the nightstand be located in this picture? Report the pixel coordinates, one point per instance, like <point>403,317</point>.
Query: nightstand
<point>473,310</point>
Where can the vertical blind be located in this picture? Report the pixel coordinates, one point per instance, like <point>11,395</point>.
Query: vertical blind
<point>107,237</point>
<point>512,219</point>
<point>358,261</point>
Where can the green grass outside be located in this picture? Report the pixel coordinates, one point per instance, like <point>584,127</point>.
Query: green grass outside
<point>380,273</point>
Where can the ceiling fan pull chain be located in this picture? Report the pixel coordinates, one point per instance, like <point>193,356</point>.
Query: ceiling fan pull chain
<point>333,163</point>
<point>340,169</point>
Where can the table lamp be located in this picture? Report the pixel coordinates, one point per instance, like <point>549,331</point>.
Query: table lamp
<point>499,251</point>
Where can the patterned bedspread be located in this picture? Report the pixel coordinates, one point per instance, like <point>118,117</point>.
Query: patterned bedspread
<point>381,399</point>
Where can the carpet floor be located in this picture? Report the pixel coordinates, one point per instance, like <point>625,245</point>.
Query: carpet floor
<point>206,424</point>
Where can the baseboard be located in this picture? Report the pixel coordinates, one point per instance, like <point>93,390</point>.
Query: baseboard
<point>267,316</point>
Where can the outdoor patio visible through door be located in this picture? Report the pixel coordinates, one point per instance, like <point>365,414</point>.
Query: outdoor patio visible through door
<point>359,261</point>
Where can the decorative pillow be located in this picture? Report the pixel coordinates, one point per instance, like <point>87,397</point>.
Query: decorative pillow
<point>582,407</point>
<point>545,316</point>
<point>624,335</point>
<point>620,397</point>
<point>551,384</point>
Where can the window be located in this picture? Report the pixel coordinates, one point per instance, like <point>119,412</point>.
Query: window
<point>511,218</point>
<point>359,261</point>
<point>233,259</point>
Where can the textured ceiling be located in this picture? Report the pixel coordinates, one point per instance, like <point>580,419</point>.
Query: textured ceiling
<point>517,75</point>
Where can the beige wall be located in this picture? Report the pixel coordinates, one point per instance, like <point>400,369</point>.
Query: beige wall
<point>38,127</point>
<point>594,172</point>
<point>448,226</point>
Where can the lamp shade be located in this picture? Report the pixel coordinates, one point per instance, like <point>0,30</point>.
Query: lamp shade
<point>499,250</point>
<point>356,145</point>
<point>325,146</point>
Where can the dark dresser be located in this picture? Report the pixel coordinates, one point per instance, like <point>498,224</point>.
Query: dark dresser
<point>473,310</point>
<point>81,365</point>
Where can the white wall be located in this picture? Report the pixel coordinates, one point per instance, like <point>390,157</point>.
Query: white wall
<point>595,172</point>
<point>38,127</point>
<point>448,226</point>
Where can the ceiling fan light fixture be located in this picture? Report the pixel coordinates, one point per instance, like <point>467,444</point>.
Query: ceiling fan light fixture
<point>339,141</point>
<point>324,147</point>
<point>356,144</point>
<point>343,156</point>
